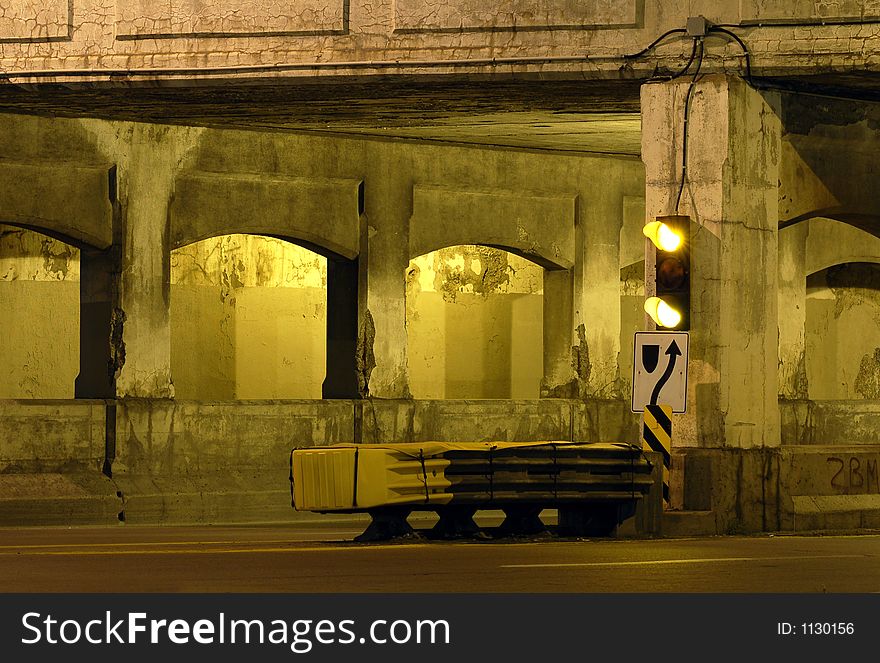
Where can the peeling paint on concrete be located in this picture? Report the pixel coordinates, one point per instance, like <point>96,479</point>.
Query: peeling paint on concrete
<point>30,256</point>
<point>117,342</point>
<point>853,285</point>
<point>580,358</point>
<point>474,324</point>
<point>867,382</point>
<point>366,359</point>
<point>482,270</point>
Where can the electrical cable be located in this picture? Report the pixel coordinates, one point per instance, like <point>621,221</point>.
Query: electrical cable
<point>684,139</point>
<point>650,47</point>
<point>742,45</point>
<point>683,70</point>
<point>231,70</point>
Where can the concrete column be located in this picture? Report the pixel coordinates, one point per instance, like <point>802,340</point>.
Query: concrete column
<point>559,379</point>
<point>384,257</point>
<point>341,379</point>
<point>792,311</point>
<point>152,158</point>
<point>733,162</point>
<point>596,343</point>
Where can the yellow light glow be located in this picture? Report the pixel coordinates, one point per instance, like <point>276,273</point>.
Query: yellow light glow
<point>661,312</point>
<point>664,237</point>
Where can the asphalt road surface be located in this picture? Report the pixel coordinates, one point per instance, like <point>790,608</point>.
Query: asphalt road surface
<point>316,557</point>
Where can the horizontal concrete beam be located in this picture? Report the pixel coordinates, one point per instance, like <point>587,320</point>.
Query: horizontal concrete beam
<point>67,200</point>
<point>831,242</point>
<point>535,225</point>
<point>323,214</point>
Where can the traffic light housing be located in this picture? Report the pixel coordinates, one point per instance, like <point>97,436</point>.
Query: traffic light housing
<point>672,272</point>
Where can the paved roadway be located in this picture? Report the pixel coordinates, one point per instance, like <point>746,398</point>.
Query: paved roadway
<point>315,557</point>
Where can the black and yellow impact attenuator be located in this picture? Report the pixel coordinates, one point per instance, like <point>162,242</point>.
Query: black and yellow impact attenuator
<point>657,436</point>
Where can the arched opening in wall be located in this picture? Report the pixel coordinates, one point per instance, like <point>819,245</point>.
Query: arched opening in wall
<point>842,334</point>
<point>248,319</point>
<point>40,310</point>
<point>474,321</point>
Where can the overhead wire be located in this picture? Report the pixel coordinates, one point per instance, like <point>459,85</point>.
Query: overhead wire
<point>684,139</point>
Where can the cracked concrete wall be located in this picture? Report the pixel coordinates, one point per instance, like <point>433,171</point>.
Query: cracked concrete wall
<point>474,324</point>
<point>39,345</point>
<point>58,34</point>
<point>732,198</point>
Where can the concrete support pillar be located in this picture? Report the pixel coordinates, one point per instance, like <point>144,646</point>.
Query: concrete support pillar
<point>98,329</point>
<point>381,352</point>
<point>153,156</point>
<point>559,379</point>
<point>792,313</point>
<point>341,379</point>
<point>596,343</point>
<point>731,196</point>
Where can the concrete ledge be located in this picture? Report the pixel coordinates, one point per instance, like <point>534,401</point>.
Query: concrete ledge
<point>56,499</point>
<point>845,512</point>
<point>689,523</point>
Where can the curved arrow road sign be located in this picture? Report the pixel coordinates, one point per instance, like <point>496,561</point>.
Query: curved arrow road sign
<point>660,370</point>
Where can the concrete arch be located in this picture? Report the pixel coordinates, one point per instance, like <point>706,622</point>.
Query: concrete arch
<point>833,241</point>
<point>322,215</point>
<point>539,227</point>
<point>69,202</point>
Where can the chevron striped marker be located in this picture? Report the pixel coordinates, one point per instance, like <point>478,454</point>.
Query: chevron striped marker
<point>657,436</point>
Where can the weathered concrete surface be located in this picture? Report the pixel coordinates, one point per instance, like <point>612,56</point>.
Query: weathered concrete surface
<point>830,422</point>
<point>51,455</point>
<point>474,324</point>
<point>502,420</point>
<point>843,332</point>
<point>190,461</point>
<point>831,242</point>
<point>39,344</point>
<point>68,199</point>
<point>826,166</point>
<point>51,436</point>
<point>224,462</point>
<point>537,226</point>
<point>319,212</point>
<point>732,198</point>
<point>559,379</point>
<point>55,498</point>
<point>201,462</point>
<point>413,33</point>
<point>792,311</point>
<point>595,346</point>
<point>150,159</point>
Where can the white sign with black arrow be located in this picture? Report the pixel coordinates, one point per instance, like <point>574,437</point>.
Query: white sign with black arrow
<point>660,370</point>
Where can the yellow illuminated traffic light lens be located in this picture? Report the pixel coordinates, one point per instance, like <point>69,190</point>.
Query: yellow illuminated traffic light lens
<point>661,312</point>
<point>664,237</point>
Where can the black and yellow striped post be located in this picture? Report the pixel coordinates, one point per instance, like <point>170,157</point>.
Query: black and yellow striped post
<point>657,436</point>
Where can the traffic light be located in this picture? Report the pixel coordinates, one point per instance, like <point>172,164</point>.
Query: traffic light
<point>670,307</point>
